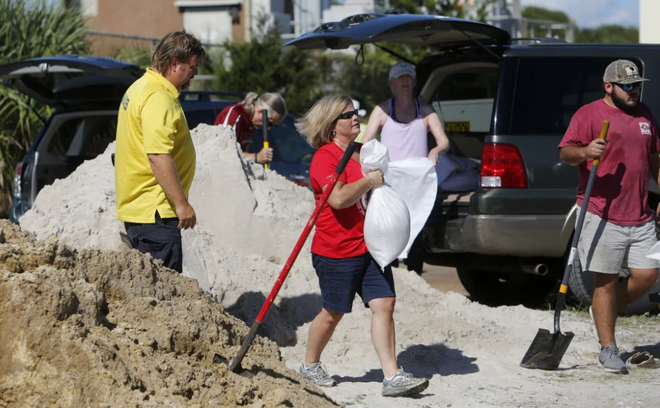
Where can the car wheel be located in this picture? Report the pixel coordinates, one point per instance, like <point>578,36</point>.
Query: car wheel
<point>581,286</point>
<point>497,289</point>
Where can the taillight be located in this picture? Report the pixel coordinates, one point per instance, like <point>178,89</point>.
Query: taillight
<point>502,165</point>
<point>17,180</point>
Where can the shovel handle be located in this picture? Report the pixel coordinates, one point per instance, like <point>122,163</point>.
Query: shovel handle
<point>563,289</point>
<point>264,126</point>
<point>603,134</point>
<point>235,362</point>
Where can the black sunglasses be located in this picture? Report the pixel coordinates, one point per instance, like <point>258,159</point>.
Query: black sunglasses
<point>628,87</point>
<point>347,115</point>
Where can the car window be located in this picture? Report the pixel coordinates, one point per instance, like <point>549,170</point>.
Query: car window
<point>464,100</point>
<point>288,145</point>
<point>196,117</point>
<point>83,137</point>
<point>548,91</point>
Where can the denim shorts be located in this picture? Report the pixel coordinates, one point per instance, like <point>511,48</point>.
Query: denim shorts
<point>341,279</point>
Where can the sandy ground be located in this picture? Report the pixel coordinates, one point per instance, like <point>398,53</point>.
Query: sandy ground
<point>249,221</point>
<point>443,279</point>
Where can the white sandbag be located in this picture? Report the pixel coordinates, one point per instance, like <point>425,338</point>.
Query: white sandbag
<point>387,222</point>
<point>386,225</point>
<point>654,252</point>
<point>416,182</point>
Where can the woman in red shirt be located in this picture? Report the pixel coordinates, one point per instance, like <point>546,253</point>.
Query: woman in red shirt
<point>245,116</point>
<point>339,254</point>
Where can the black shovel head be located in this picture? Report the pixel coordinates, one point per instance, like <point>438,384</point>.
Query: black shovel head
<point>243,372</point>
<point>547,350</point>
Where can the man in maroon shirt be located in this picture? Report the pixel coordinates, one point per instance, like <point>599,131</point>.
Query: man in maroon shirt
<point>618,228</point>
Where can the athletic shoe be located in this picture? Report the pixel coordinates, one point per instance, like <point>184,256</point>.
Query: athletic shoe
<point>610,360</point>
<point>403,384</point>
<point>317,374</point>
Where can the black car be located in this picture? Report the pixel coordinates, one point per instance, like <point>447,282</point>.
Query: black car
<point>85,92</point>
<point>506,103</point>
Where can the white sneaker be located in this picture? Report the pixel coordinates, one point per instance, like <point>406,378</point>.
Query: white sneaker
<point>317,374</point>
<point>403,384</point>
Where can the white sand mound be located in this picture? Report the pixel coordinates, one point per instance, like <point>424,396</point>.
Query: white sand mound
<point>249,221</point>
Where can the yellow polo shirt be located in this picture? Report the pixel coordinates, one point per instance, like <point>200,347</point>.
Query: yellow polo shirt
<point>150,121</point>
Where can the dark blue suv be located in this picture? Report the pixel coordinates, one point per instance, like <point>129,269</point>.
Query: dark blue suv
<point>85,92</point>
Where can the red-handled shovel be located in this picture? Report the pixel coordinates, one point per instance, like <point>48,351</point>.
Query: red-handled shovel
<point>235,363</point>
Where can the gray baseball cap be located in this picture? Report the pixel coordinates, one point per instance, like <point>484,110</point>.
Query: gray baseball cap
<point>622,72</point>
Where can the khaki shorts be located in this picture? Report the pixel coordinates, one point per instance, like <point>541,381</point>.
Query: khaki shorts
<point>606,248</point>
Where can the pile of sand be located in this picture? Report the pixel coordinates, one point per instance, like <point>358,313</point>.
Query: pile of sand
<point>249,220</point>
<point>100,328</point>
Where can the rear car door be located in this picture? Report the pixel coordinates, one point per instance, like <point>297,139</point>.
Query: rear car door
<point>85,92</point>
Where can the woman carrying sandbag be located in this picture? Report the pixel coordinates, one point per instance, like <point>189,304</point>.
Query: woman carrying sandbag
<point>339,253</point>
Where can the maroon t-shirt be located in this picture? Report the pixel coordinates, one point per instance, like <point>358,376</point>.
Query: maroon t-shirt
<point>236,117</point>
<point>620,189</point>
<point>339,233</point>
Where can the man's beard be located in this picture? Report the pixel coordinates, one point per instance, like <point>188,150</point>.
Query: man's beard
<point>622,104</point>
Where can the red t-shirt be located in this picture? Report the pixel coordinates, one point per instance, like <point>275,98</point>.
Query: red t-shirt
<point>339,233</point>
<point>620,189</point>
<point>236,117</point>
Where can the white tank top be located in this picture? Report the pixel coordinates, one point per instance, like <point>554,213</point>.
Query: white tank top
<point>405,140</point>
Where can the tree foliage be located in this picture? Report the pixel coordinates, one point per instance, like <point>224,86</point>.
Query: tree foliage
<point>602,34</point>
<point>478,10</point>
<point>262,65</point>
<point>608,34</point>
<point>30,29</point>
<point>365,77</point>
<point>540,13</point>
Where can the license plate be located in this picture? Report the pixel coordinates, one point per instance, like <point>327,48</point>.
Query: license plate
<point>457,127</point>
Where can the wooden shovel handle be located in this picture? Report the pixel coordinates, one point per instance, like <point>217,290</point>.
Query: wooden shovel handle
<point>603,134</point>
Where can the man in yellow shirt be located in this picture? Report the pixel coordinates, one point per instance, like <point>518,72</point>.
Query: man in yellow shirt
<point>155,156</point>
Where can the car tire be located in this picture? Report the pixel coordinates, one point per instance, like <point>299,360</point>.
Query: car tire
<point>498,289</point>
<point>581,287</point>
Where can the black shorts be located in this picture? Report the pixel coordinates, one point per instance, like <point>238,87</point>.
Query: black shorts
<point>162,240</point>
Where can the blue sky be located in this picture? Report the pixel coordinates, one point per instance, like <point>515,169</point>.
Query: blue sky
<point>593,13</point>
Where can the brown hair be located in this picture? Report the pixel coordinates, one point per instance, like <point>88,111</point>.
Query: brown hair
<point>318,122</point>
<point>178,45</point>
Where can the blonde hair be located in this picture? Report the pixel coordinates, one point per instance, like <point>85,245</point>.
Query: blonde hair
<point>318,122</point>
<point>178,45</point>
<point>269,101</point>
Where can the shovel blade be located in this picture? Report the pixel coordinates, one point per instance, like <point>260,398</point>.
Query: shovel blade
<point>243,372</point>
<point>547,350</point>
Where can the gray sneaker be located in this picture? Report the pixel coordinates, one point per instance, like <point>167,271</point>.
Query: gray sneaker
<point>317,374</point>
<point>610,360</point>
<point>403,384</point>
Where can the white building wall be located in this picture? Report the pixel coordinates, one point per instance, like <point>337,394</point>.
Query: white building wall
<point>210,26</point>
<point>350,7</point>
<point>649,29</point>
<point>89,8</point>
<point>306,15</point>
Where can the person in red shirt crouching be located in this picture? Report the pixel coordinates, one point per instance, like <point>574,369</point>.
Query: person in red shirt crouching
<point>339,253</point>
<point>245,116</point>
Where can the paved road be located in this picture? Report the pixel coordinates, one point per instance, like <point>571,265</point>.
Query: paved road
<point>442,278</point>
